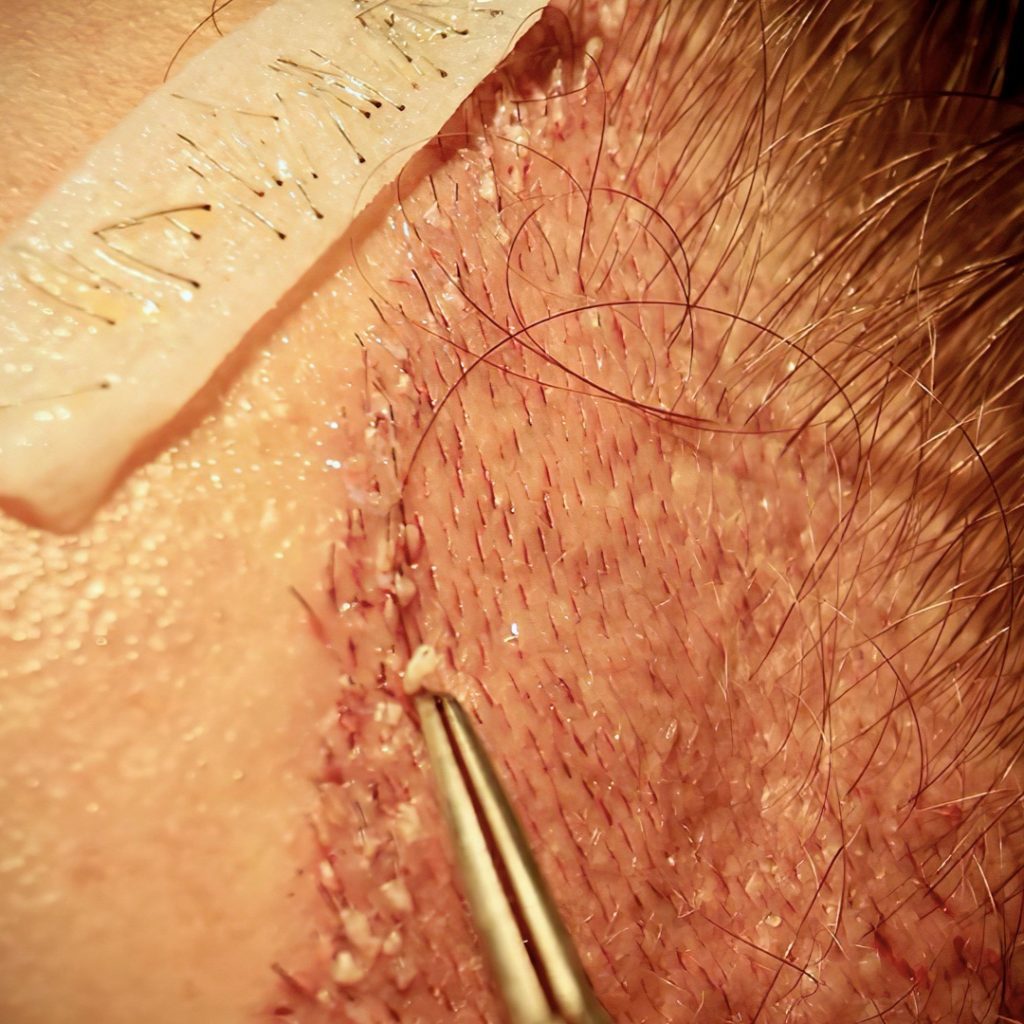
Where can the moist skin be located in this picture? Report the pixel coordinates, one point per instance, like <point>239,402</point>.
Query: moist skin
<point>750,667</point>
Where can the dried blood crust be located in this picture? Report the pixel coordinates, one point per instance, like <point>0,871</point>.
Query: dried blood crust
<point>726,664</point>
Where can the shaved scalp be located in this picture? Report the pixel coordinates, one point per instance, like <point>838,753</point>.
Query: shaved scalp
<point>760,268</point>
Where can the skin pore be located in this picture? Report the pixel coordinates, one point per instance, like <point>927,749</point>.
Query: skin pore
<point>717,540</point>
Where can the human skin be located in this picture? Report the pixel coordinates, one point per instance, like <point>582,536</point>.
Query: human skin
<point>720,552</point>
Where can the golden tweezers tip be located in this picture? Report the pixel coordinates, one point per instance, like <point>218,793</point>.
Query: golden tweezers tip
<point>535,964</point>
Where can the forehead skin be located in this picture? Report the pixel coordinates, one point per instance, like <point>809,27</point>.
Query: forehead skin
<point>145,728</point>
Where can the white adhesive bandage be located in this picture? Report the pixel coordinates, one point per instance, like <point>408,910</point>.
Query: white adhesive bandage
<point>127,287</point>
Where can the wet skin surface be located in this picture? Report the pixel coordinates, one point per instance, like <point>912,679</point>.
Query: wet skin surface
<point>755,685</point>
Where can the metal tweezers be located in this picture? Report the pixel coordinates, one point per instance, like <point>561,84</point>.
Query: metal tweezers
<point>535,964</point>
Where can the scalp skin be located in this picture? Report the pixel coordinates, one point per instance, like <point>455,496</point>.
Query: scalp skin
<point>747,490</point>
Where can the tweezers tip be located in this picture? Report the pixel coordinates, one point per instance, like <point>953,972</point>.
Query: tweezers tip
<point>532,955</point>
